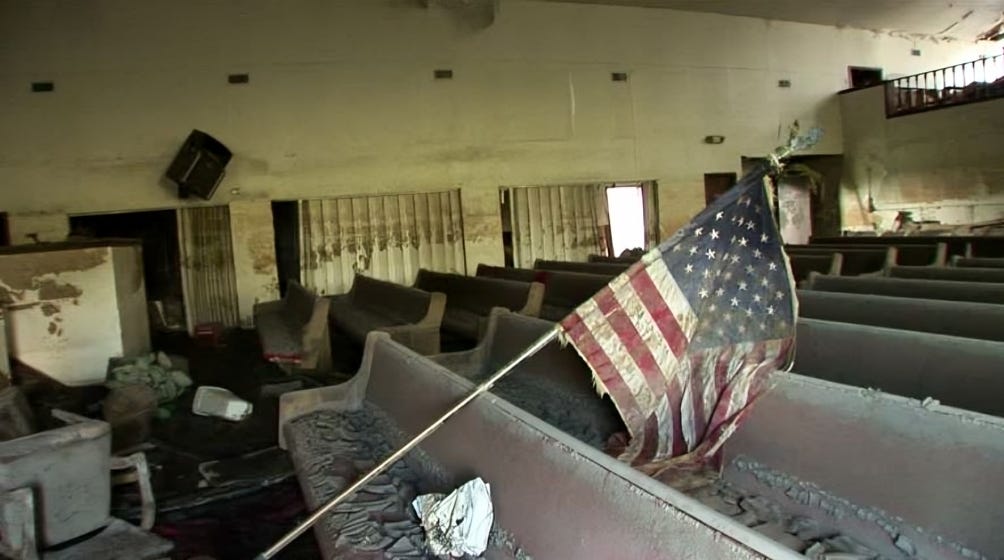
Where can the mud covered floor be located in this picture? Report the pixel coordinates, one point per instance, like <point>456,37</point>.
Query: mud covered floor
<point>236,520</point>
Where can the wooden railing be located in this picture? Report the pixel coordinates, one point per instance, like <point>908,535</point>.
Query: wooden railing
<point>969,82</point>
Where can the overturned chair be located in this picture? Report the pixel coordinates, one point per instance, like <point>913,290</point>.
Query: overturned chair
<point>56,490</point>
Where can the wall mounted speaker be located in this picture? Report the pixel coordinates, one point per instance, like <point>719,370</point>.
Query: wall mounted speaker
<point>199,166</point>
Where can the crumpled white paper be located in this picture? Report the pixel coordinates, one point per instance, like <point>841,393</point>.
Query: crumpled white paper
<point>459,523</point>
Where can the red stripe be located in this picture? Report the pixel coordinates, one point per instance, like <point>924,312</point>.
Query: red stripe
<point>279,357</point>
<point>650,441</point>
<point>632,341</point>
<point>596,357</point>
<point>655,302</point>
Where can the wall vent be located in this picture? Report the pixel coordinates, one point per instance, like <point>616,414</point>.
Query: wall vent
<point>42,87</point>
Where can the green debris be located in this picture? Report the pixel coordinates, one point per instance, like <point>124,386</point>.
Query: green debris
<point>166,376</point>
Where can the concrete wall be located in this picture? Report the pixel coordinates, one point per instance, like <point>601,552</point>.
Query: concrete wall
<point>945,165</point>
<point>130,291</point>
<point>253,240</point>
<point>62,318</point>
<point>341,100</point>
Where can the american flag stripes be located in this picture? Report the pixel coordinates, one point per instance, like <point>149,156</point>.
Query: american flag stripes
<point>684,340</point>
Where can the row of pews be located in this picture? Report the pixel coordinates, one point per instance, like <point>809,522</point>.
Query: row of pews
<point>886,440</point>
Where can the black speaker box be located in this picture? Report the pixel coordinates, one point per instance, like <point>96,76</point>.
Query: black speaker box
<point>199,166</point>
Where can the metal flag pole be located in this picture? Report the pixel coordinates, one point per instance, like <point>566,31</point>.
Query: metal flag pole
<point>397,455</point>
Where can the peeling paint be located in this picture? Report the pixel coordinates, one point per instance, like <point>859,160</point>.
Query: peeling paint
<point>49,309</point>
<point>24,273</point>
<point>50,289</point>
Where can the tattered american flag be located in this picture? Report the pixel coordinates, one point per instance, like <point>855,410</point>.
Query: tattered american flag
<point>684,340</point>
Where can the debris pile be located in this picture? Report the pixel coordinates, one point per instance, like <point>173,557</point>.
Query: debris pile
<point>378,521</point>
<point>165,375</point>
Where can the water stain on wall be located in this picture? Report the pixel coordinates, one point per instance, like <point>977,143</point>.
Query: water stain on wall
<point>23,273</point>
<point>49,289</point>
<point>49,309</point>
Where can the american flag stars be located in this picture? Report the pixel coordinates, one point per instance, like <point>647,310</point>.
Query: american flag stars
<point>722,279</point>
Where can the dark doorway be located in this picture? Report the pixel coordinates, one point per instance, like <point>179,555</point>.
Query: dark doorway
<point>717,184</point>
<point>506,212</point>
<point>286,223</point>
<point>862,77</point>
<point>4,230</point>
<point>158,232</point>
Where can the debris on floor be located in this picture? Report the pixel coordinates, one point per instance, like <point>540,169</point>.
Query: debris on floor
<point>16,419</point>
<point>261,468</point>
<point>221,403</point>
<point>218,484</point>
<point>166,375</point>
<point>458,523</point>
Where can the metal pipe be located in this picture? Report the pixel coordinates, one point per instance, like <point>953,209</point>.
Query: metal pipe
<point>397,455</point>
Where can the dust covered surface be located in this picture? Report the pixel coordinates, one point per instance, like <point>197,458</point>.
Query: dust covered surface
<point>584,416</point>
<point>331,450</point>
<point>818,524</point>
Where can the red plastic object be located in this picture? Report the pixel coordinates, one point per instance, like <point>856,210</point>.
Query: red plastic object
<point>209,334</point>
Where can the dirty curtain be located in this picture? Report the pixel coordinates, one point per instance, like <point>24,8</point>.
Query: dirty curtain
<point>209,279</point>
<point>563,223</point>
<point>388,237</point>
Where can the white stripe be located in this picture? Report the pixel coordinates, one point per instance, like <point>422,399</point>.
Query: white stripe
<point>687,423</point>
<point>670,367</point>
<point>665,418</point>
<point>618,355</point>
<point>673,296</point>
<point>662,354</point>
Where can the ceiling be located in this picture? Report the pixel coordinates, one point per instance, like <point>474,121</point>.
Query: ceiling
<point>961,19</point>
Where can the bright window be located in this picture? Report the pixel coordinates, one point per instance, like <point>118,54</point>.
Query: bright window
<point>627,218</point>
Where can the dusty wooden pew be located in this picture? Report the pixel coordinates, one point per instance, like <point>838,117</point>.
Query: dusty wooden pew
<point>610,269</point>
<point>876,467</point>
<point>412,317</point>
<point>961,372</point>
<point>950,273</point>
<point>955,318</point>
<point>907,287</point>
<point>554,384</point>
<point>563,290</point>
<point>977,262</point>
<point>817,462</point>
<point>470,299</point>
<point>554,496</point>
<point>294,330</point>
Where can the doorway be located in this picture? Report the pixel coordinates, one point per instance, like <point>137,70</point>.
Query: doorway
<point>286,224</point>
<point>717,184</point>
<point>626,207</point>
<point>157,230</point>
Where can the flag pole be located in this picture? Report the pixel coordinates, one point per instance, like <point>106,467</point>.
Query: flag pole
<point>401,452</point>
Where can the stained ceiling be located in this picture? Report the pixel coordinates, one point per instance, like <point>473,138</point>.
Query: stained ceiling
<point>960,19</point>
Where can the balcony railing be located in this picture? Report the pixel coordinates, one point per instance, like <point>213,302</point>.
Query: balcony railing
<point>969,82</point>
